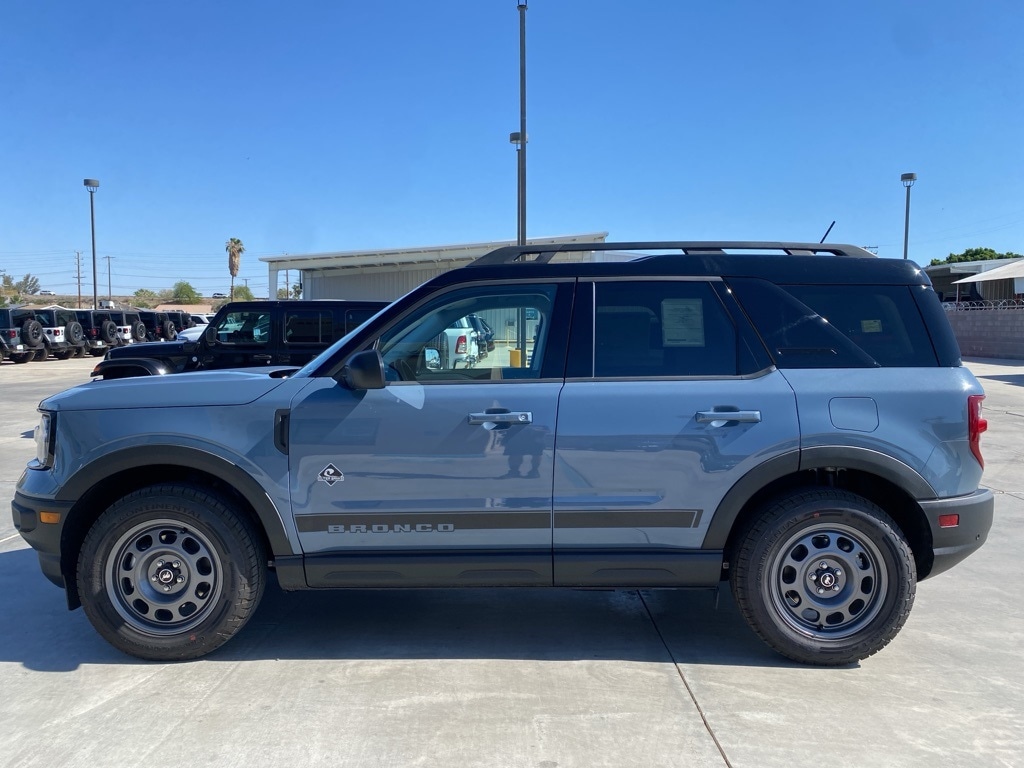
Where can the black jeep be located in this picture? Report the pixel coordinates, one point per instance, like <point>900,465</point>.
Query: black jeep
<point>245,334</point>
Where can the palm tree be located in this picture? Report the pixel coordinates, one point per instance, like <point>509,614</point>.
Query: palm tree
<point>235,250</point>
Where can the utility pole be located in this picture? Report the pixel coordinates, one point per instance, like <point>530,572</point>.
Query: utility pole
<point>110,294</point>
<point>78,269</point>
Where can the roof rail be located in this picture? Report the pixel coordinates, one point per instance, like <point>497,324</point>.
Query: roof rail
<point>542,254</point>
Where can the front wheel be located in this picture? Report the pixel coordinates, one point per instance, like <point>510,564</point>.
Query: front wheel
<point>824,577</point>
<point>170,573</point>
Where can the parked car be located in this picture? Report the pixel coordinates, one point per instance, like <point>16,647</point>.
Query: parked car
<point>458,345</point>
<point>159,326</point>
<point>244,334</point>
<point>23,334</point>
<point>484,334</point>
<point>792,418</point>
<point>63,334</point>
<point>100,329</point>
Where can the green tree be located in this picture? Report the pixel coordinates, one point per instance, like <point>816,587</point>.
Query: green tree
<point>235,250</point>
<point>28,284</point>
<point>144,298</point>
<point>243,293</point>
<point>975,254</point>
<point>294,293</point>
<point>184,293</point>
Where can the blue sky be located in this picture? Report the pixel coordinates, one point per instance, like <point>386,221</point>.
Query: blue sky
<point>320,126</point>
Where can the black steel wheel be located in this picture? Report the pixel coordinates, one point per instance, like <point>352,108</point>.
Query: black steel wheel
<point>170,573</point>
<point>824,577</point>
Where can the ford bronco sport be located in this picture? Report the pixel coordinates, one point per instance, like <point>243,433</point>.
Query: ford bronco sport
<point>791,418</point>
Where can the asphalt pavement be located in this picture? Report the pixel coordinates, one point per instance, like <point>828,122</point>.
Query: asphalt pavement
<point>519,678</point>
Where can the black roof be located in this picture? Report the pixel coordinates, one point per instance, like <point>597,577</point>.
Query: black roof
<point>779,262</point>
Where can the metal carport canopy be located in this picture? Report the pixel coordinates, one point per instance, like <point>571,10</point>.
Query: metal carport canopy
<point>1005,272</point>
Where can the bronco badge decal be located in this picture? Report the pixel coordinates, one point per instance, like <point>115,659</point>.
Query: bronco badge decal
<point>330,475</point>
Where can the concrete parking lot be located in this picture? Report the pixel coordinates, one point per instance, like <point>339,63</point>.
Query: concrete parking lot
<point>524,678</point>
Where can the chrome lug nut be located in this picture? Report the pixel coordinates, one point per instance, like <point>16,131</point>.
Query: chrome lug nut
<point>823,564</point>
<point>180,579</point>
<point>167,589</point>
<point>813,577</point>
<point>152,578</point>
<point>159,563</point>
<point>839,572</point>
<point>821,591</point>
<point>176,564</point>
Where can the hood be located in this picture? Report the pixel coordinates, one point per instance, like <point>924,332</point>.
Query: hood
<point>198,388</point>
<point>153,349</point>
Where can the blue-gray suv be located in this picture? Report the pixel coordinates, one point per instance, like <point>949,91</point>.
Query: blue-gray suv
<point>791,418</point>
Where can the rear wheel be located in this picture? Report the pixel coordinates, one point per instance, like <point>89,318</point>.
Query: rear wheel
<point>40,354</point>
<point>170,572</point>
<point>21,357</point>
<point>824,577</point>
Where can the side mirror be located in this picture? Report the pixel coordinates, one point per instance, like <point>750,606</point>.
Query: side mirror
<point>210,334</point>
<point>364,370</point>
<point>431,359</point>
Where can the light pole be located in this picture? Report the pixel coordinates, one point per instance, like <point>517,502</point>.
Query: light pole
<point>908,180</point>
<point>92,185</point>
<point>520,139</point>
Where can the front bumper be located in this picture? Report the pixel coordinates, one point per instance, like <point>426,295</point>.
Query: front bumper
<point>950,545</point>
<point>44,538</point>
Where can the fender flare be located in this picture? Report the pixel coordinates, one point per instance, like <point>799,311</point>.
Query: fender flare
<point>126,367</point>
<point>842,456</point>
<point>135,457</point>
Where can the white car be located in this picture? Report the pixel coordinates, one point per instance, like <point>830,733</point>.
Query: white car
<point>193,333</point>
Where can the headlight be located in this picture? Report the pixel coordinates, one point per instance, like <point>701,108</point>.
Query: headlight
<point>44,435</point>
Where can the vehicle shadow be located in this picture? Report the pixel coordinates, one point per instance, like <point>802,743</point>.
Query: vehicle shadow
<point>660,626</point>
<point>1016,379</point>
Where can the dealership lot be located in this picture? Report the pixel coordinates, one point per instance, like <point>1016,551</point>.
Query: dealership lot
<point>519,677</point>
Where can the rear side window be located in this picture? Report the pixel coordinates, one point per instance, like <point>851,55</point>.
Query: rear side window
<point>306,326</point>
<point>837,326</point>
<point>662,328</point>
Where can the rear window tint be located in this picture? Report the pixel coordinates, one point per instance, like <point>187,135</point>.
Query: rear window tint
<point>837,326</point>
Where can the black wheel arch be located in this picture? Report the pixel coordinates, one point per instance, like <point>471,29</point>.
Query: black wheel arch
<point>878,477</point>
<point>93,489</point>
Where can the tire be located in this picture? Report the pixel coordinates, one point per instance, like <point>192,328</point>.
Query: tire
<point>73,333</point>
<point>32,333</point>
<point>21,357</point>
<point>64,354</point>
<point>170,573</point>
<point>139,331</point>
<point>792,578</point>
<point>169,331</point>
<point>41,354</point>
<point>108,332</point>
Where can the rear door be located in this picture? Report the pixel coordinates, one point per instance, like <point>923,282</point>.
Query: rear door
<point>667,404</point>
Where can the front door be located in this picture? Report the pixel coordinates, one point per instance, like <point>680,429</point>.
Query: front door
<point>443,477</point>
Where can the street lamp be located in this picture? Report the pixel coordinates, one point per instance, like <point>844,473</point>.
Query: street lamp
<point>92,185</point>
<point>908,180</point>
<point>519,139</point>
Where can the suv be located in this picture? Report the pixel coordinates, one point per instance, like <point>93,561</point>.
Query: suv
<point>791,418</point>
<point>130,328</point>
<point>23,334</point>
<point>100,328</point>
<point>159,326</point>
<point>62,332</point>
<point>244,334</point>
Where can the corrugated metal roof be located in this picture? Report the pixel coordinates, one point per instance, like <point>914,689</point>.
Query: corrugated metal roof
<point>1005,272</point>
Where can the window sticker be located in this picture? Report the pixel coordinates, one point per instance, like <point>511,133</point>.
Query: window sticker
<point>870,326</point>
<point>682,323</point>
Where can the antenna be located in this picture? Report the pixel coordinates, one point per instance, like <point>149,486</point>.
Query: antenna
<point>827,231</point>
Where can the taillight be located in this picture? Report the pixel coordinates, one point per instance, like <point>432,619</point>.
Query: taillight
<point>975,425</point>
<point>460,346</point>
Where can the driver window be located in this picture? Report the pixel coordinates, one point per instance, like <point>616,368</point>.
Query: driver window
<point>480,334</point>
<point>244,327</point>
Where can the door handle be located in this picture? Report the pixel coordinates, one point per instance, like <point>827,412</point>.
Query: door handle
<point>505,417</point>
<point>719,418</point>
